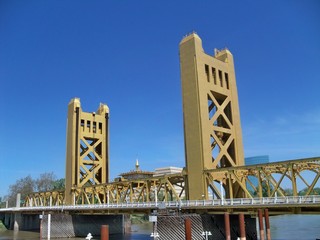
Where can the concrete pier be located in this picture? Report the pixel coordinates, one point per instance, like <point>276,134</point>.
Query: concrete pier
<point>172,227</point>
<point>21,222</point>
<point>65,225</point>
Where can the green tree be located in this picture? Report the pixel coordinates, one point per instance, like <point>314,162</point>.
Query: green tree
<point>59,184</point>
<point>315,191</point>
<point>27,185</point>
<point>23,186</point>
<point>266,187</point>
<point>288,191</point>
<point>2,202</point>
<point>45,182</point>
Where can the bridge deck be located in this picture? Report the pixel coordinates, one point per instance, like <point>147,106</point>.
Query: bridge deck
<point>276,205</point>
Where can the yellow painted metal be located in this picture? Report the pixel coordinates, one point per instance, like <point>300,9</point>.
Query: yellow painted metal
<point>272,178</point>
<point>53,198</point>
<point>87,161</point>
<point>294,182</point>
<point>212,129</point>
<point>166,188</point>
<point>139,190</point>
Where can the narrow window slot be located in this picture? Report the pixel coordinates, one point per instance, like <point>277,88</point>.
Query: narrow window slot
<point>220,78</point>
<point>100,127</point>
<point>88,125</point>
<point>206,67</point>
<point>82,124</point>
<point>214,76</point>
<point>226,76</point>
<point>94,127</point>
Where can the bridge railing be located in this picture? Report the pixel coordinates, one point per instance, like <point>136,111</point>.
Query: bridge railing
<point>292,201</point>
<point>299,200</point>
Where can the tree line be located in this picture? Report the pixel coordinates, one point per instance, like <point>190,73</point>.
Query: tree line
<point>46,182</point>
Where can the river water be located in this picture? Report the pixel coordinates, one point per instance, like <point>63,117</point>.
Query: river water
<point>284,227</point>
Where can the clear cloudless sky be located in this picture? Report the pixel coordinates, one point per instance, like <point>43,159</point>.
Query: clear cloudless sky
<point>126,54</point>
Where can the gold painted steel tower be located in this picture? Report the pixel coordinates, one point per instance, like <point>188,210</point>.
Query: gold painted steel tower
<point>87,159</point>
<point>213,137</point>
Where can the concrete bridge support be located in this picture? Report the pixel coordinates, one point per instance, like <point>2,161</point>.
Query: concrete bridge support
<point>18,221</point>
<point>23,222</point>
<point>172,227</point>
<point>7,220</point>
<point>65,225</point>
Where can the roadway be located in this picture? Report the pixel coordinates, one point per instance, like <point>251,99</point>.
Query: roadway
<point>276,205</point>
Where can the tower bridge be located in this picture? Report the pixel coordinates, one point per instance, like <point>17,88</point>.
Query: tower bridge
<point>172,187</point>
<point>213,145</point>
<point>214,179</point>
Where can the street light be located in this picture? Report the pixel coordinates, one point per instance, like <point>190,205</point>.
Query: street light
<point>153,218</point>
<point>206,234</point>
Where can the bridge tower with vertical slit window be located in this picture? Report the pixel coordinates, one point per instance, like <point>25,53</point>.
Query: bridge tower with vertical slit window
<point>87,155</point>
<point>212,129</point>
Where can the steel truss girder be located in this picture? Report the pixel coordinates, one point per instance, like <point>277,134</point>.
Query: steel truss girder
<point>270,178</point>
<point>53,198</point>
<point>167,188</point>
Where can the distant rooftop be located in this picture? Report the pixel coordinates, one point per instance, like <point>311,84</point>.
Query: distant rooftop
<point>167,171</point>
<point>139,174</point>
<point>136,174</point>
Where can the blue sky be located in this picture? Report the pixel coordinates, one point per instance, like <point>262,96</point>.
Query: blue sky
<point>125,54</point>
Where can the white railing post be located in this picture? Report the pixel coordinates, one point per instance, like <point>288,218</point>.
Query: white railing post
<point>74,198</point>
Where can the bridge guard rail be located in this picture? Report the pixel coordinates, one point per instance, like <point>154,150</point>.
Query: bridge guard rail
<point>312,202</point>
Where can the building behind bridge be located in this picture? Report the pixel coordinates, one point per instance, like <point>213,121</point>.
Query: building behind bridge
<point>252,161</point>
<point>140,174</point>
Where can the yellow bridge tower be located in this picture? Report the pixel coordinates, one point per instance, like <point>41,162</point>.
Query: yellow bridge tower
<point>213,137</point>
<point>87,159</point>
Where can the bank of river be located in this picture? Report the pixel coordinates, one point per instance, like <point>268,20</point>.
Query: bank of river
<point>284,227</point>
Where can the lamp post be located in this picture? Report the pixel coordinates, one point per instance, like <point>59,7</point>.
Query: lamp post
<point>206,234</point>
<point>153,218</point>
